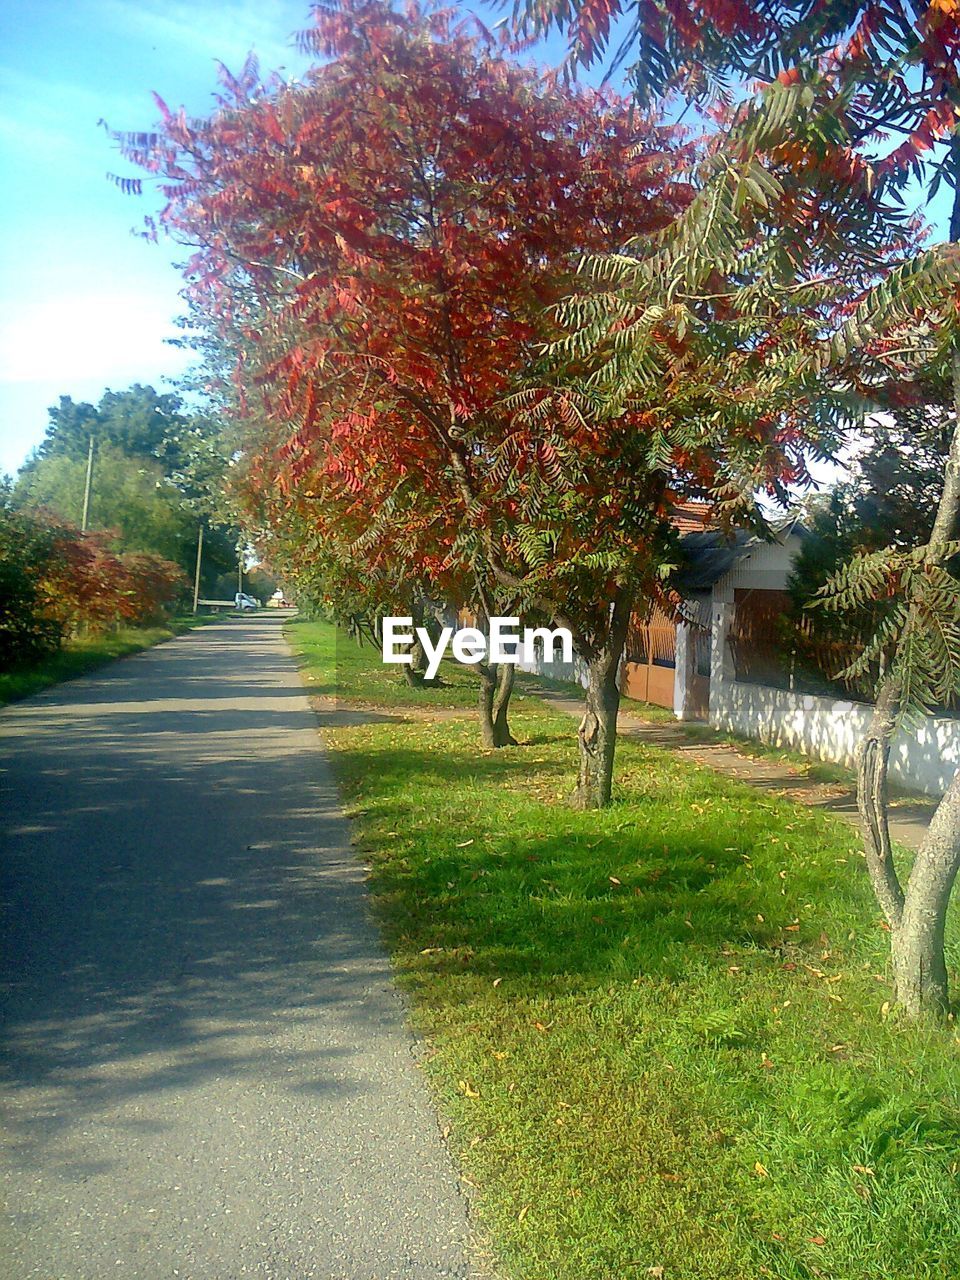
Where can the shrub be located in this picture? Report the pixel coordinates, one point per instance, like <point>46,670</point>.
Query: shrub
<point>27,549</point>
<point>56,582</point>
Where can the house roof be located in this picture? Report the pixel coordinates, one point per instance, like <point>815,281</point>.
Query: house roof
<point>691,516</point>
<point>712,553</point>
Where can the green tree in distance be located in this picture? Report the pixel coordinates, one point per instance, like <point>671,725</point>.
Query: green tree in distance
<point>158,470</point>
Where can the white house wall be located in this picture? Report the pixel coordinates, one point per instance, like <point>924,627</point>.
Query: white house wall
<point>765,567</point>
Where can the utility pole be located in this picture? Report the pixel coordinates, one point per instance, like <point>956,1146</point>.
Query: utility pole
<point>86,489</point>
<point>196,576</point>
<point>240,566</point>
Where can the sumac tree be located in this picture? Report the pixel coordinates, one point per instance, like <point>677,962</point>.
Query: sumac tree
<point>891,72</point>
<point>386,241</point>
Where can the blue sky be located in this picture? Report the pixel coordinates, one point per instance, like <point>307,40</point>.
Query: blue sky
<point>84,304</point>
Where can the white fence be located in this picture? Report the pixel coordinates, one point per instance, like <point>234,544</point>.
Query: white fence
<point>924,757</point>
<point>575,670</point>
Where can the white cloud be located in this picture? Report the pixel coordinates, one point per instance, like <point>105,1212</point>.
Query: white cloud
<point>78,344</point>
<point>113,333</point>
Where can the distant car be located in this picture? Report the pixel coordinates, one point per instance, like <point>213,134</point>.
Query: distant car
<point>244,602</point>
<point>277,600</point>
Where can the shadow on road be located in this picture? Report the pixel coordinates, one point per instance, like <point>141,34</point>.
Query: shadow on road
<point>173,887</point>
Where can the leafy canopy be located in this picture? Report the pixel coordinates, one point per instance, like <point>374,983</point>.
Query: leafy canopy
<point>386,245</point>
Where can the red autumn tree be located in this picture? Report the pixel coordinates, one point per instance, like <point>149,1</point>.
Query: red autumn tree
<point>361,571</point>
<point>57,582</point>
<point>386,242</point>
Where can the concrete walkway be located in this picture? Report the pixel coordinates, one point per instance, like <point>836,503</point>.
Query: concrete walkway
<point>909,818</point>
<point>206,1072</point>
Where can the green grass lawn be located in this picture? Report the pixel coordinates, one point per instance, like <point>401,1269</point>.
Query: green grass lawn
<point>659,1034</point>
<point>83,655</point>
<point>334,665</point>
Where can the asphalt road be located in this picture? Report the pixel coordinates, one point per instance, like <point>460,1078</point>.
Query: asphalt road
<point>206,1072</point>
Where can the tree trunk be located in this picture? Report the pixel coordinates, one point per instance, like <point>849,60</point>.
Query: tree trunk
<point>501,706</point>
<point>597,733</point>
<point>919,967</point>
<point>414,672</point>
<point>597,736</point>
<point>413,677</point>
<point>488,687</point>
<point>917,916</point>
<point>496,686</point>
<point>872,802</point>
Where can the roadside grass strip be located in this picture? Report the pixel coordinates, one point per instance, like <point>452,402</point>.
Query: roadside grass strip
<point>660,1034</point>
<point>77,657</point>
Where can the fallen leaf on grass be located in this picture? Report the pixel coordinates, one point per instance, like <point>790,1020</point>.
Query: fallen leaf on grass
<point>468,1090</point>
<point>614,880</point>
<point>464,844</point>
<point>816,1240</point>
<point>760,1170</point>
<point>523,1213</point>
<point>497,981</point>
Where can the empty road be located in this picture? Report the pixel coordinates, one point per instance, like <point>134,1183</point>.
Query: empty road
<point>206,1073</point>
